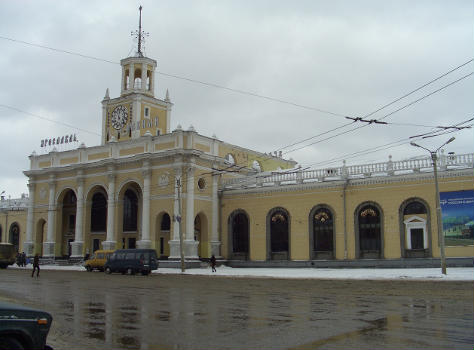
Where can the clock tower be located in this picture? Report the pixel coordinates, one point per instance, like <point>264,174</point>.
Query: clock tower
<point>136,112</point>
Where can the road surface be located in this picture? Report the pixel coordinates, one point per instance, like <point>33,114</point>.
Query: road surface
<point>99,311</point>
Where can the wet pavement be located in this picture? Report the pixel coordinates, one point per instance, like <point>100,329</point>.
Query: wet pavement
<point>99,311</point>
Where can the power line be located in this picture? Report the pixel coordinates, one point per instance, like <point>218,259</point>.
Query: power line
<point>387,115</point>
<point>257,95</point>
<point>387,146</point>
<point>389,104</point>
<point>419,88</point>
<point>48,119</point>
<point>196,81</point>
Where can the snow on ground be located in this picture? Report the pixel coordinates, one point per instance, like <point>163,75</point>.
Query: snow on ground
<point>426,274</point>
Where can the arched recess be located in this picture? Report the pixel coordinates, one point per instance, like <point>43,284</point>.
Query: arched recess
<point>95,225</point>
<point>66,221</point>
<point>238,235</point>
<point>230,159</point>
<point>163,227</point>
<point>368,219</point>
<point>129,211</point>
<point>40,236</point>
<point>321,232</point>
<point>138,79</point>
<point>14,236</point>
<point>278,234</point>
<point>201,235</point>
<point>415,228</point>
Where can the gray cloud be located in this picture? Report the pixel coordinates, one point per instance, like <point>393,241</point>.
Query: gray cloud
<point>342,56</point>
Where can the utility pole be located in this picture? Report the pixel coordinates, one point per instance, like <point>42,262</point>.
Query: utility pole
<point>178,220</point>
<point>434,157</point>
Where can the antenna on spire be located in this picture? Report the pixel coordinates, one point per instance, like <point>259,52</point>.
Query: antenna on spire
<point>140,35</point>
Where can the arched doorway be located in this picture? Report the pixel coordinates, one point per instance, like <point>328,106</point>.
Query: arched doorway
<point>278,228</point>
<point>163,227</point>
<point>369,232</point>
<point>99,213</point>
<point>321,233</point>
<point>39,236</point>
<point>415,238</point>
<point>201,236</point>
<point>130,206</point>
<point>67,201</point>
<point>239,237</point>
<point>96,219</point>
<point>14,236</point>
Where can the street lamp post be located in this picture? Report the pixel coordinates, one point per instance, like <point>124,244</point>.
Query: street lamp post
<point>434,157</point>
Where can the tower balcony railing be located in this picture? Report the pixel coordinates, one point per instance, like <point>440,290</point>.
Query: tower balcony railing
<point>389,168</point>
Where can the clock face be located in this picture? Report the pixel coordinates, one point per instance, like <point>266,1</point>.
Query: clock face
<point>119,117</point>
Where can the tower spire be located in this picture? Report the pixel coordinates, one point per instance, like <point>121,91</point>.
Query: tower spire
<point>139,34</point>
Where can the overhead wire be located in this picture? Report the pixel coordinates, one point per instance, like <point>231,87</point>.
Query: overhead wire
<point>259,96</point>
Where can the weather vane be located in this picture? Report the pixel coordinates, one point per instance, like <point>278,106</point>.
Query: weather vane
<point>140,35</point>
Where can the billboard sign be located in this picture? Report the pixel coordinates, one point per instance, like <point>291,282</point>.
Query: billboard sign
<point>457,212</point>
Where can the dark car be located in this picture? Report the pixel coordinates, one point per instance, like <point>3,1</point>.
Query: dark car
<point>132,261</point>
<point>23,328</point>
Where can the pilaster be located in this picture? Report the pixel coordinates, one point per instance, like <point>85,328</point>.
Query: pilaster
<point>28,245</point>
<point>48,246</point>
<point>109,243</point>
<point>215,243</point>
<point>145,241</point>
<point>77,245</point>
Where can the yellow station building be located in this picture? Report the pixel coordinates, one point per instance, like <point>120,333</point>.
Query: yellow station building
<point>145,184</point>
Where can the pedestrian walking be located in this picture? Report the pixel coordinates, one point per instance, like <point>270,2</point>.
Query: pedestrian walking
<point>213,263</point>
<point>36,266</point>
<point>23,259</point>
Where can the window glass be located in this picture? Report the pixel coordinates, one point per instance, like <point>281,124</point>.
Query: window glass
<point>129,256</point>
<point>100,256</point>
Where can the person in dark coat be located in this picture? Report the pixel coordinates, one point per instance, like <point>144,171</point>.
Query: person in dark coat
<point>36,266</point>
<point>23,259</point>
<point>213,263</point>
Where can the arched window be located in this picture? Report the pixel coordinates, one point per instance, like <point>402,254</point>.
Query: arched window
<point>369,230</point>
<point>415,240</point>
<point>279,237</point>
<point>230,158</point>
<point>15,235</point>
<point>256,166</point>
<point>323,230</point>
<point>130,211</point>
<point>98,213</point>
<point>240,233</point>
<point>165,222</point>
<point>414,207</point>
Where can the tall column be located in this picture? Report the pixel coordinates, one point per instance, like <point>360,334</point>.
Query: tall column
<point>77,245</point>
<point>145,242</point>
<point>215,243</point>
<point>109,243</point>
<point>174,242</point>
<point>152,82</point>
<point>28,246</point>
<point>124,83</point>
<point>190,245</point>
<point>48,246</point>
<point>144,69</point>
<point>131,77</point>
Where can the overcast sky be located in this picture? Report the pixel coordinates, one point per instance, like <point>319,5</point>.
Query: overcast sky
<point>344,57</point>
